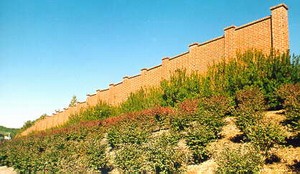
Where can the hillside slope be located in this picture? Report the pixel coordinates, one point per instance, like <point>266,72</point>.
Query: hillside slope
<point>218,123</point>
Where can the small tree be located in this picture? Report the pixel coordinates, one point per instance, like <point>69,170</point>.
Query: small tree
<point>73,101</point>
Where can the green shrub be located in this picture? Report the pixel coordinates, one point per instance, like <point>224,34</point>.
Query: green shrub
<point>290,96</point>
<point>130,159</point>
<point>197,139</point>
<point>245,159</point>
<point>98,112</point>
<point>264,136</point>
<point>142,99</point>
<point>180,87</point>
<point>246,119</point>
<point>159,155</point>
<point>179,122</point>
<point>127,134</point>
<point>96,155</point>
<point>164,157</point>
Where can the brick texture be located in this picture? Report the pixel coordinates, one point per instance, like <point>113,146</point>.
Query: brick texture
<point>266,34</point>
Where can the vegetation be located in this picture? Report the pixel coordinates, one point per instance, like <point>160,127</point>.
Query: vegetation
<point>8,131</point>
<point>163,130</point>
<point>73,101</point>
<point>244,159</point>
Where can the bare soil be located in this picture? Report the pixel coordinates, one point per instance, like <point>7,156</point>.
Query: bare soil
<point>7,170</point>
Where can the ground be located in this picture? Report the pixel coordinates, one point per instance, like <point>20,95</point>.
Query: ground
<point>286,158</point>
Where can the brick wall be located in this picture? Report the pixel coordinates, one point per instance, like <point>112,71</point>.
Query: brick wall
<point>265,34</point>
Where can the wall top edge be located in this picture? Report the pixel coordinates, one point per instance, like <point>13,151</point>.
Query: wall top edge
<point>154,67</point>
<point>194,44</point>
<point>102,90</point>
<point>144,69</point>
<point>134,76</point>
<point>212,40</point>
<point>90,95</point>
<point>229,27</point>
<point>279,5</point>
<point>254,22</point>
<point>118,83</point>
<point>165,58</point>
<point>179,55</point>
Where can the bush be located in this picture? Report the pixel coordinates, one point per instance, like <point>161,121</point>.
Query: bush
<point>245,159</point>
<point>159,155</point>
<point>246,119</point>
<point>250,99</point>
<point>264,136</point>
<point>217,104</point>
<point>98,112</point>
<point>164,156</point>
<point>130,159</point>
<point>290,97</point>
<point>250,103</point>
<point>197,139</point>
<point>127,134</point>
<point>180,87</point>
<point>142,99</point>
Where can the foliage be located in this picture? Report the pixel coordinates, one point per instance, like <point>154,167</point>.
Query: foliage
<point>250,99</point>
<point>73,101</point>
<point>26,125</point>
<point>290,96</point>
<point>218,104</point>
<point>6,131</point>
<point>129,134</point>
<point>98,112</point>
<point>250,103</point>
<point>254,69</point>
<point>146,138</point>
<point>245,159</point>
<point>142,99</point>
<point>197,139</point>
<point>264,136</point>
<point>249,120</point>
<point>180,87</point>
<point>130,159</point>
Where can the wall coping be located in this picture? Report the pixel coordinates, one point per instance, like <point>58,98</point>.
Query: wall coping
<point>90,95</point>
<point>229,27</point>
<point>118,83</point>
<point>279,5</point>
<point>179,55</point>
<point>212,40</point>
<point>252,23</point>
<point>134,76</point>
<point>194,44</point>
<point>102,90</point>
<point>165,58</point>
<point>157,66</point>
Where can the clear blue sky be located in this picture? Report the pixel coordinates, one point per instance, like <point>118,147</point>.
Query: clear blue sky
<point>51,50</point>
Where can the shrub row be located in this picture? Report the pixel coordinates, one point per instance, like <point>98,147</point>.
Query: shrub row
<point>226,78</point>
